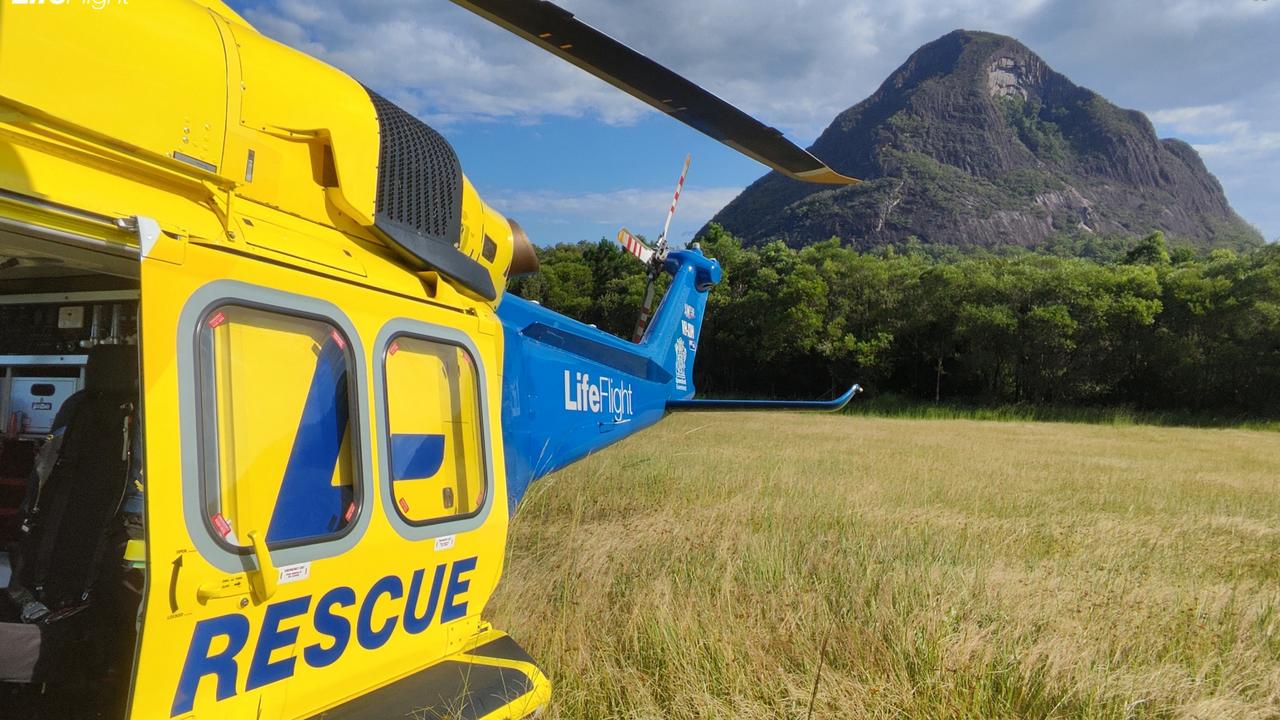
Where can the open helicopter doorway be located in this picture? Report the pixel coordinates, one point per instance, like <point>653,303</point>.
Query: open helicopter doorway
<point>72,568</point>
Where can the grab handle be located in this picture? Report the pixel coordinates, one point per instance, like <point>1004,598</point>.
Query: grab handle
<point>261,582</point>
<point>267,574</point>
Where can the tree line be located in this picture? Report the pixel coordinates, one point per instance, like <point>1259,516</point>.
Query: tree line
<point>1132,325</point>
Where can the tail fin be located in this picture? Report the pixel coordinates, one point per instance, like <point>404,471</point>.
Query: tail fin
<point>570,389</point>
<point>672,337</point>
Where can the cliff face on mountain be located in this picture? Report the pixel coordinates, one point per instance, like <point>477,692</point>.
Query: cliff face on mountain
<point>975,141</point>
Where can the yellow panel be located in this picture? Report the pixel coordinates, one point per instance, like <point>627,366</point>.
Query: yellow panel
<point>154,80</point>
<point>486,237</point>
<point>308,244</point>
<point>304,105</point>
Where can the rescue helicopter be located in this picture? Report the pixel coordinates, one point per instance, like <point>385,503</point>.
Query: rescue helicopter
<point>267,408</point>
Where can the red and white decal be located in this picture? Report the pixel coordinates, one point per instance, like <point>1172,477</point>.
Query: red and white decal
<point>221,525</point>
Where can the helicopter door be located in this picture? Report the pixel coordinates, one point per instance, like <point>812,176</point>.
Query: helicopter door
<point>259,474</point>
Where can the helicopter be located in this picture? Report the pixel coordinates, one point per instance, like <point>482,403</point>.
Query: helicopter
<point>267,408</point>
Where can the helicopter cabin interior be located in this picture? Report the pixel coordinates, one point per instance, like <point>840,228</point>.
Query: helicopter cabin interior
<point>70,480</point>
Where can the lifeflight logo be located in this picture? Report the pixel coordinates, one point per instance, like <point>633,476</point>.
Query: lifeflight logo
<point>582,393</point>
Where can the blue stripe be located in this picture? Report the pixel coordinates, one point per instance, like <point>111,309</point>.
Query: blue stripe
<point>415,457</point>
<point>309,505</point>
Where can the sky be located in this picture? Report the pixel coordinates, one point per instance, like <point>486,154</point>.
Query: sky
<point>572,158</point>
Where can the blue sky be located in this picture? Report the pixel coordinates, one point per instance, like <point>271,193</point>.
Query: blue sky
<point>573,158</point>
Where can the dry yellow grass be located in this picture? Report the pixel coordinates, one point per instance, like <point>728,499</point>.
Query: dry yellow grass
<point>950,568</point>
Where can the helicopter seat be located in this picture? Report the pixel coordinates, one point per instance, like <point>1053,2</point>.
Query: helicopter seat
<point>70,550</point>
<point>72,514</point>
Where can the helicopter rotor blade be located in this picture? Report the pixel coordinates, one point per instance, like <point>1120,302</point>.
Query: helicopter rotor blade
<point>666,227</point>
<point>555,30</point>
<point>633,245</point>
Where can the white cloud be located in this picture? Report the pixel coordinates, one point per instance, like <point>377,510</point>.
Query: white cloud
<point>1191,15</point>
<point>1219,130</point>
<point>641,210</point>
<point>1240,142</point>
<point>795,64</point>
<point>1201,119</point>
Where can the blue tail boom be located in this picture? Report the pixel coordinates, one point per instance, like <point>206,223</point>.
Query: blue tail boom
<point>570,389</point>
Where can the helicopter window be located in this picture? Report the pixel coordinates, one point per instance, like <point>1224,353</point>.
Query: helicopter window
<point>278,452</point>
<point>436,462</point>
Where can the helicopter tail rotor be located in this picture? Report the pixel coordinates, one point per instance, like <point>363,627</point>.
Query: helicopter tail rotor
<point>649,256</point>
<point>653,257</point>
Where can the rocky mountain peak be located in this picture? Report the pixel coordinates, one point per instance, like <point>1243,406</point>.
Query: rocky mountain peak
<point>976,141</point>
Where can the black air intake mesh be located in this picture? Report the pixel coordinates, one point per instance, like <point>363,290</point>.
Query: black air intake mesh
<point>419,177</point>
<point>418,202</point>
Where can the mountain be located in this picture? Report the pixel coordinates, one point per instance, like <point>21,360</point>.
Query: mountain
<point>976,141</point>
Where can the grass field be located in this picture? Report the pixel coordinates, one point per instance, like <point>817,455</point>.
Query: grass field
<point>934,568</point>
<point>909,408</point>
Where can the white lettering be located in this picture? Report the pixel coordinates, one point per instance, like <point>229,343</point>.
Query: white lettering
<point>569,403</point>
<point>682,358</point>
<point>294,573</point>
<point>603,395</point>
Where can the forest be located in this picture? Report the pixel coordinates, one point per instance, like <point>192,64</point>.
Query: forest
<point>1117,322</point>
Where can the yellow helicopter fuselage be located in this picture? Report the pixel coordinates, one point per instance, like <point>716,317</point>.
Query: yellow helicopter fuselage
<point>233,182</point>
